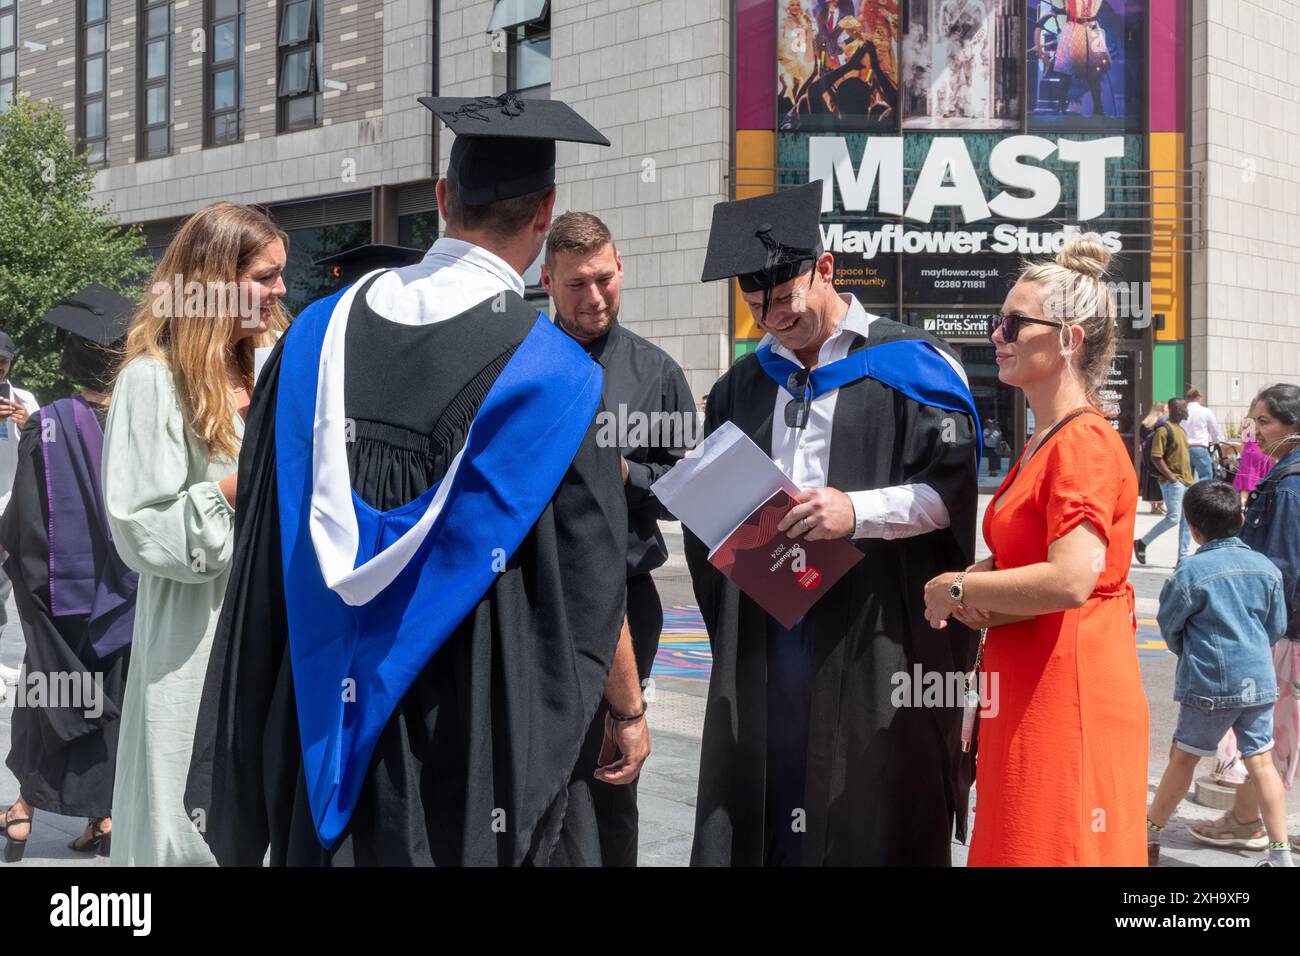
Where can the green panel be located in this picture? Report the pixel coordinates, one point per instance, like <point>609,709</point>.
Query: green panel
<point>743,348</point>
<point>1166,371</point>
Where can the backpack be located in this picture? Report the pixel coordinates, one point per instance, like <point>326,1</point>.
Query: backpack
<point>1146,445</point>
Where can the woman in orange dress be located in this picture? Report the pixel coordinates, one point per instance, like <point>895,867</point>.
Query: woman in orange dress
<point>1061,776</point>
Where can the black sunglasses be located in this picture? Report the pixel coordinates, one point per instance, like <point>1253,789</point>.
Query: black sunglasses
<point>1010,324</point>
<point>796,410</point>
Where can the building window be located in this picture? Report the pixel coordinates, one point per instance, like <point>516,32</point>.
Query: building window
<point>92,110</point>
<point>154,110</point>
<point>225,89</point>
<point>8,52</point>
<point>301,66</point>
<point>528,67</point>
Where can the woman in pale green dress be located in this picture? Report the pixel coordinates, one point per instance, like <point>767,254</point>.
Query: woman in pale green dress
<point>171,445</point>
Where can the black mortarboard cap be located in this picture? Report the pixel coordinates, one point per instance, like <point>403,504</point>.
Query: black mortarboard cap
<point>347,267</point>
<point>767,240</point>
<point>96,313</point>
<point>92,322</point>
<point>505,145</point>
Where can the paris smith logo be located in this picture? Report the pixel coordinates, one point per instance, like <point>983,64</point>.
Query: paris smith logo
<point>921,688</point>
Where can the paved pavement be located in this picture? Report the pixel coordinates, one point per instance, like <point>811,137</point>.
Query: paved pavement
<point>678,710</point>
<point>668,784</point>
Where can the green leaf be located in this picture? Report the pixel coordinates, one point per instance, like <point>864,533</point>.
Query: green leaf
<point>54,239</point>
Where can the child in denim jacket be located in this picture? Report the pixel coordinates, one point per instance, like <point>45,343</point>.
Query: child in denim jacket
<point>1221,612</point>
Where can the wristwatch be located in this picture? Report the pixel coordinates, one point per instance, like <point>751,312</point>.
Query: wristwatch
<point>955,591</point>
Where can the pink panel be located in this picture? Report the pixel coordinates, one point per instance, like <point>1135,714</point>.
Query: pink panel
<point>1168,62</point>
<point>756,64</point>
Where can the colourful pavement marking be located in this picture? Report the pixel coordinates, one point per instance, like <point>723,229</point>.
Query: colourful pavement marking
<point>684,645</point>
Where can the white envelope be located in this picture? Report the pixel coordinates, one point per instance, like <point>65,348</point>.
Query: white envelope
<point>719,484</point>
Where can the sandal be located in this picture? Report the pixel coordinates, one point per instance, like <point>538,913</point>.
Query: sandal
<point>1231,835</point>
<point>15,848</point>
<point>98,842</point>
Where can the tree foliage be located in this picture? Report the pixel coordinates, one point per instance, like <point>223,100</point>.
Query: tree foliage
<point>54,239</point>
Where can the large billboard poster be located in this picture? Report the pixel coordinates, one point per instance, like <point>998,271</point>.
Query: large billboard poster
<point>1084,64</point>
<point>961,64</point>
<point>837,66</point>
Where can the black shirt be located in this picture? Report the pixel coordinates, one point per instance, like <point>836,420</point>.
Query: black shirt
<point>642,383</point>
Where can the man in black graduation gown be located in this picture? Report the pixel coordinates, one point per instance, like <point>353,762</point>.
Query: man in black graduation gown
<point>472,759</point>
<point>75,596</point>
<point>651,418</point>
<point>806,758</point>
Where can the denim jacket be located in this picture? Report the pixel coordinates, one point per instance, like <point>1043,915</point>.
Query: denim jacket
<point>1221,612</point>
<point>1277,535</point>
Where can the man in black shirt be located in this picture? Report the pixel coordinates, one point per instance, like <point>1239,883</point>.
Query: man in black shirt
<point>651,417</point>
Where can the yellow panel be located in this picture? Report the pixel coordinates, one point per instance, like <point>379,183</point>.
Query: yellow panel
<point>755,176</point>
<point>1168,248</point>
<point>755,162</point>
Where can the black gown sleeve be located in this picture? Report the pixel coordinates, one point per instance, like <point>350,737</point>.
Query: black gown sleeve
<point>939,451</point>
<point>706,580</point>
<point>24,534</point>
<point>678,403</point>
<point>26,508</point>
<point>224,793</point>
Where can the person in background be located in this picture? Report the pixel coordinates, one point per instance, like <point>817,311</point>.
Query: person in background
<point>75,596</point>
<point>1148,478</point>
<point>1221,612</point>
<point>1253,464</point>
<point>171,443</point>
<point>1170,460</point>
<point>1203,431</point>
<point>583,274</point>
<point>16,405</point>
<point>1063,740</point>
<point>992,443</point>
<point>1272,528</point>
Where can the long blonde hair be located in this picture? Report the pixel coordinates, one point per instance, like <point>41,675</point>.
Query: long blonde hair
<point>1075,294</point>
<point>209,252</point>
<point>1158,411</point>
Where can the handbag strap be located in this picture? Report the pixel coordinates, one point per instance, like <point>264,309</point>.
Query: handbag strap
<point>1046,438</point>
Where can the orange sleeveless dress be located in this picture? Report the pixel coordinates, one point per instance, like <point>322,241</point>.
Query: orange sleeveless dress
<point>1061,778</point>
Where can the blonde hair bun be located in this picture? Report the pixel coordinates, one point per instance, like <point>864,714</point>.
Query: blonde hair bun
<point>1085,254</point>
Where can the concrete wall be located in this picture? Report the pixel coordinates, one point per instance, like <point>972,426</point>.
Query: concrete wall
<point>1245,309</point>
<point>653,76</point>
<point>374,134</point>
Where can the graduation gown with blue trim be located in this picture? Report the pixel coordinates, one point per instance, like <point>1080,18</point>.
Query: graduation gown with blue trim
<point>476,764</point>
<point>884,784</point>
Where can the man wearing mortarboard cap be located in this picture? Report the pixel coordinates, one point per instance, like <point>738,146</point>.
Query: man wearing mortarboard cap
<point>75,595</point>
<point>344,268</point>
<point>16,404</point>
<point>426,598</point>
<point>811,754</point>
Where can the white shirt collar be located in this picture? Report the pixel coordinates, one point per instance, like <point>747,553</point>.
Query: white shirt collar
<point>857,320</point>
<point>446,252</point>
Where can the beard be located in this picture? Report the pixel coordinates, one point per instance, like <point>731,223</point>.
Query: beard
<point>589,326</point>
